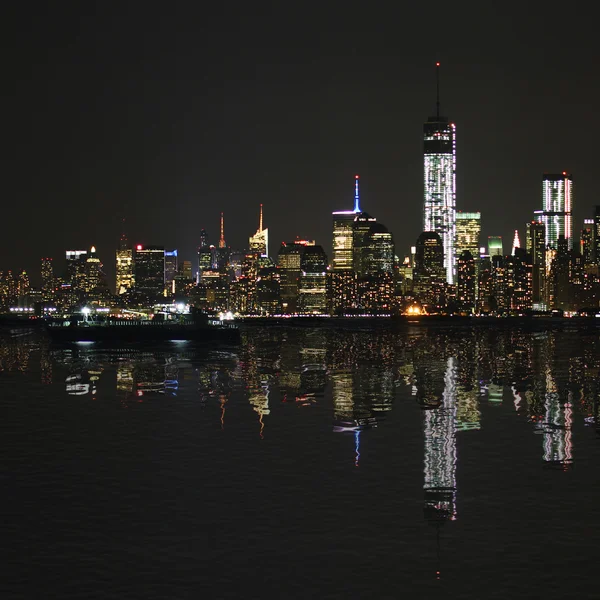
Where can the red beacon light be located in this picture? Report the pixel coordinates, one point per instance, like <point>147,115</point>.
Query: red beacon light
<point>356,177</point>
<point>138,247</point>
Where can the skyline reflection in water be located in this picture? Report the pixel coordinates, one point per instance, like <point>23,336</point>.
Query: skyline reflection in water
<point>458,384</point>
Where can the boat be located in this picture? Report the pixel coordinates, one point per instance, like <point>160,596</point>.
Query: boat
<point>130,330</point>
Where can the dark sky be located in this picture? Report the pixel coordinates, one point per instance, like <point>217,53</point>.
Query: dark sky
<point>170,113</point>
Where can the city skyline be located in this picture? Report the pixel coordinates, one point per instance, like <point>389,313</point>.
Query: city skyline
<point>220,137</point>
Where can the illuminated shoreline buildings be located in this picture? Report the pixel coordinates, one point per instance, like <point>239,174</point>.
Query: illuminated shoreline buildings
<point>557,208</point>
<point>439,154</point>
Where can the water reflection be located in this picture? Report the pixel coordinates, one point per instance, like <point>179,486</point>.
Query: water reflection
<point>459,378</point>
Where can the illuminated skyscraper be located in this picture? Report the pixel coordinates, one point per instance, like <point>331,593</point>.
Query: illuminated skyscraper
<point>149,270</point>
<point>586,242</point>
<point>557,207</point>
<point>343,233</point>
<point>288,265</point>
<point>468,230</point>
<point>439,154</point>
<point>597,235</point>
<point>124,271</point>
<point>171,268</point>
<point>536,248</point>
<point>259,242</point>
<point>47,279</point>
<point>221,254</point>
<point>93,271</point>
<point>516,242</point>
<point>495,245</point>
<point>312,294</point>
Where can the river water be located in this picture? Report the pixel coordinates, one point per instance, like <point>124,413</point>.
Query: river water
<point>307,463</point>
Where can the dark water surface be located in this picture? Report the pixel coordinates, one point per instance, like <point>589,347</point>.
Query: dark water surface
<point>304,464</point>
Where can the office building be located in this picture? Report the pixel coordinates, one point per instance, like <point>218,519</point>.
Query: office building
<point>48,282</point>
<point>587,243</point>
<point>149,270</point>
<point>288,265</point>
<point>124,267</point>
<point>468,230</point>
<point>439,154</point>
<point>312,293</point>
<point>495,245</point>
<point>343,233</point>
<point>466,281</point>
<point>536,248</point>
<point>259,242</point>
<point>221,253</point>
<point>171,268</point>
<point>93,272</point>
<point>557,208</point>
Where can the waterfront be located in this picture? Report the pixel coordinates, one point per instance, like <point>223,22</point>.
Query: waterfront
<point>172,471</point>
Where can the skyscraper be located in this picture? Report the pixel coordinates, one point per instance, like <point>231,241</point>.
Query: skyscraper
<point>259,242</point>
<point>312,296</point>
<point>495,245</point>
<point>557,207</point>
<point>468,230</point>
<point>288,265</point>
<point>149,270</point>
<point>47,279</point>
<point>221,254</point>
<point>171,268</point>
<point>536,248</point>
<point>343,233</point>
<point>124,260</point>
<point>586,242</point>
<point>597,235</point>
<point>439,153</point>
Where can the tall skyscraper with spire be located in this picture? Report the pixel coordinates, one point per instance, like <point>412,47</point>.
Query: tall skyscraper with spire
<point>259,242</point>
<point>439,161</point>
<point>343,232</point>
<point>221,259</point>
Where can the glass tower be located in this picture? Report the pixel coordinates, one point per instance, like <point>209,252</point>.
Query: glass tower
<point>439,215</point>
<point>557,208</point>
<point>468,230</point>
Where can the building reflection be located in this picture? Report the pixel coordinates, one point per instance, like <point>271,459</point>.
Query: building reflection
<point>439,427</point>
<point>459,379</point>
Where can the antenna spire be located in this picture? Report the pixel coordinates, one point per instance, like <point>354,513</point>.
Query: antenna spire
<point>437,77</point>
<point>356,195</point>
<point>222,239</point>
<point>260,220</point>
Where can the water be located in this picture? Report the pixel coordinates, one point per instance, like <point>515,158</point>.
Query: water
<point>304,464</point>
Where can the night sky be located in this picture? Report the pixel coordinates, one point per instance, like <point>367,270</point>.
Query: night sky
<point>169,113</point>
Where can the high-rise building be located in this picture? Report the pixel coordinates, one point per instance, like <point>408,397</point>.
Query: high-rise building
<point>557,208</point>
<point>47,279</point>
<point>124,271</point>
<point>468,230</point>
<point>76,268</point>
<point>288,265</point>
<point>93,272</point>
<point>536,248</point>
<point>429,274</point>
<point>259,242</point>
<point>586,242</point>
<point>149,270</point>
<point>171,268</point>
<point>495,245</point>
<point>516,242</point>
<point>221,254</point>
<point>343,233</point>
<point>312,295</point>
<point>597,235</point>
<point>205,254</point>
<point>439,154</point>
<point>466,281</point>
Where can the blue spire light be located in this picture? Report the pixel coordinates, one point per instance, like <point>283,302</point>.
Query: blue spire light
<point>356,195</point>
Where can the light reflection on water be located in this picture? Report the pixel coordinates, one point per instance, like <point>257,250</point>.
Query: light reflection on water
<point>354,384</point>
